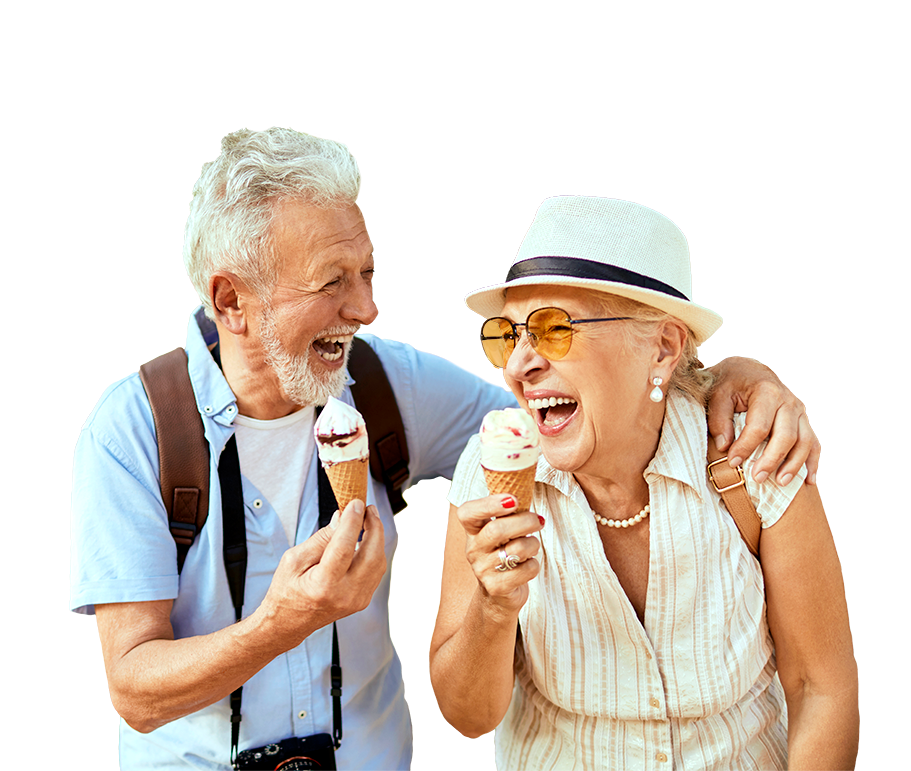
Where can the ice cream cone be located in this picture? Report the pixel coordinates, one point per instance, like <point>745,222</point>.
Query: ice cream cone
<point>519,483</point>
<point>349,481</point>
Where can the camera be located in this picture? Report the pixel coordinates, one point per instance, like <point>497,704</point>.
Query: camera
<point>293,754</point>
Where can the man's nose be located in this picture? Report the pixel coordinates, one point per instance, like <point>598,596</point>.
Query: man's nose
<point>359,306</point>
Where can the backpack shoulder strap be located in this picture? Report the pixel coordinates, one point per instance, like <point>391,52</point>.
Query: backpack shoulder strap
<point>376,402</point>
<point>730,484</point>
<point>183,452</point>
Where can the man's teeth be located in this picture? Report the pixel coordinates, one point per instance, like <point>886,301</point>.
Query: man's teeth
<point>553,401</point>
<point>338,341</point>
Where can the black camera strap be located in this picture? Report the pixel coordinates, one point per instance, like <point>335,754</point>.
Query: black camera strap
<point>235,556</point>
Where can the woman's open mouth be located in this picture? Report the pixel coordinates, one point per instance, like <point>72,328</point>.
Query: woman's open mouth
<point>332,348</point>
<point>552,413</point>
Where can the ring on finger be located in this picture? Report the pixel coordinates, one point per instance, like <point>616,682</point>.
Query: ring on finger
<point>507,561</point>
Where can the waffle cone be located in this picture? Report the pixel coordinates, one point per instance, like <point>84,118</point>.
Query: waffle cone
<point>349,481</point>
<point>520,484</point>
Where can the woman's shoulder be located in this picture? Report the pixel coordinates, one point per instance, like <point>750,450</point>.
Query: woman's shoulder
<point>770,498</point>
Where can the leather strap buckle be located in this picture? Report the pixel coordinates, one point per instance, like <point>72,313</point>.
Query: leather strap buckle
<point>739,470</point>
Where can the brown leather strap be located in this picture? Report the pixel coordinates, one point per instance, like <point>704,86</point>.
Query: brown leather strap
<point>731,485</point>
<point>183,453</point>
<point>376,402</point>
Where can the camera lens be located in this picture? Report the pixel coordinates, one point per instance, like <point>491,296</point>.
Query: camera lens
<point>298,764</point>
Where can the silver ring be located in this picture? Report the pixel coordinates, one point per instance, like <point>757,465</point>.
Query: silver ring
<point>507,561</point>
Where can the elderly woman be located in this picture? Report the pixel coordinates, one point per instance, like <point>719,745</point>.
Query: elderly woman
<point>624,623</point>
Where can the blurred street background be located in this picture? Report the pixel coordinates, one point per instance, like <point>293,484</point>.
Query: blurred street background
<point>771,212</point>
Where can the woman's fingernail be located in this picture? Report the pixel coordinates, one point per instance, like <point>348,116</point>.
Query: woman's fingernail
<point>812,479</point>
<point>719,441</point>
<point>509,502</point>
<point>541,520</point>
<point>785,479</point>
<point>735,461</point>
<point>761,476</point>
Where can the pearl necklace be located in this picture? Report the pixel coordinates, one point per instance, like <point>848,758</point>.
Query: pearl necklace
<point>622,522</point>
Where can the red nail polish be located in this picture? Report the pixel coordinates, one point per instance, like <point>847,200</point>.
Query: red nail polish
<point>509,502</point>
<point>541,520</point>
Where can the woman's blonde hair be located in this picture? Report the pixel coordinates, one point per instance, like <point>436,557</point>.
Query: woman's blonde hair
<point>690,377</point>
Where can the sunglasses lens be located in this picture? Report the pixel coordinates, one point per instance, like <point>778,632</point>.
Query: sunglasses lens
<point>498,340</point>
<point>552,332</point>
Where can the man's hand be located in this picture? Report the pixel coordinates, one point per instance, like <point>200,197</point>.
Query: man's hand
<point>772,411</point>
<point>155,679</point>
<point>329,576</point>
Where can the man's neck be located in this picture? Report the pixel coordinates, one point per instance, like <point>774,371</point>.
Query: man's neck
<point>252,380</point>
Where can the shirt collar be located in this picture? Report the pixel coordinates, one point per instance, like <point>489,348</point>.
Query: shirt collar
<point>683,445</point>
<point>681,453</point>
<point>213,394</point>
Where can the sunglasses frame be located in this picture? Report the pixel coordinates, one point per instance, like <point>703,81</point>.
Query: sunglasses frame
<point>533,339</point>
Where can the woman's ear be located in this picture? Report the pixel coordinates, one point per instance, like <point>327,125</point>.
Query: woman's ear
<point>230,300</point>
<point>671,340</point>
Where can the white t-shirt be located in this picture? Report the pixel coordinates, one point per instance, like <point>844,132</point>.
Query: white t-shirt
<point>275,456</point>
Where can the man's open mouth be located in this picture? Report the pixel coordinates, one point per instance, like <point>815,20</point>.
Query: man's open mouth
<point>553,411</point>
<point>331,348</point>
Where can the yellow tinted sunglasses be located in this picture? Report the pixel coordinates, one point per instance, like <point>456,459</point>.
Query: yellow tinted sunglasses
<point>549,330</point>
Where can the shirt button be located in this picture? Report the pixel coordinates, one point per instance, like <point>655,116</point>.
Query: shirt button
<point>258,504</point>
<point>207,409</point>
<point>302,714</point>
<point>230,410</point>
<point>661,757</point>
<point>654,702</point>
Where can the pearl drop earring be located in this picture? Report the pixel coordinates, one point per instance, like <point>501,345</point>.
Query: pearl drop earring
<point>656,394</point>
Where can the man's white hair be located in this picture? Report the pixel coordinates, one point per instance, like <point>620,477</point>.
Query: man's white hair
<point>235,198</point>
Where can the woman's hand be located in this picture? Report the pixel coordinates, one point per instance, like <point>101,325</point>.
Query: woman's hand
<point>501,548</point>
<point>474,641</point>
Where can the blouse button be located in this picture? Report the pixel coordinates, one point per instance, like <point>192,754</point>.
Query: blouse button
<point>661,757</point>
<point>654,702</point>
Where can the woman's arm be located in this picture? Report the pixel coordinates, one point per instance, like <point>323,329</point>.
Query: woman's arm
<point>808,618</point>
<point>471,653</point>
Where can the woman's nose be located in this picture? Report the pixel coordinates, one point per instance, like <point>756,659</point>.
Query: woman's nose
<point>524,361</point>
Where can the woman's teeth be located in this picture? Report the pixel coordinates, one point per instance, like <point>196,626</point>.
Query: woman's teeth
<point>553,401</point>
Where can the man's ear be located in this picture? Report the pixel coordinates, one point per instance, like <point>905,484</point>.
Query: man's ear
<point>230,297</point>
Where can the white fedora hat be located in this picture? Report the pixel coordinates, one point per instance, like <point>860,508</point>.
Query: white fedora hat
<point>608,245</point>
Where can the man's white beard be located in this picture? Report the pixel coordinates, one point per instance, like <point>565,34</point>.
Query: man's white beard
<point>300,383</point>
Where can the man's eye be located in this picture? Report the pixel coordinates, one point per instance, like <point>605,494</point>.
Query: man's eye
<point>368,274</point>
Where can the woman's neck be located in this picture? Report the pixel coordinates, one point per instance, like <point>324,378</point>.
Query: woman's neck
<point>613,481</point>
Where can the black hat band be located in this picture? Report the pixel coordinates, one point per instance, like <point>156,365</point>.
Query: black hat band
<point>579,268</point>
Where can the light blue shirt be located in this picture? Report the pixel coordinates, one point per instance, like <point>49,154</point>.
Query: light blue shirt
<point>122,551</point>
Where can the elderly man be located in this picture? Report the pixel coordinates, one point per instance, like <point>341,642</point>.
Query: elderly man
<point>279,254</point>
